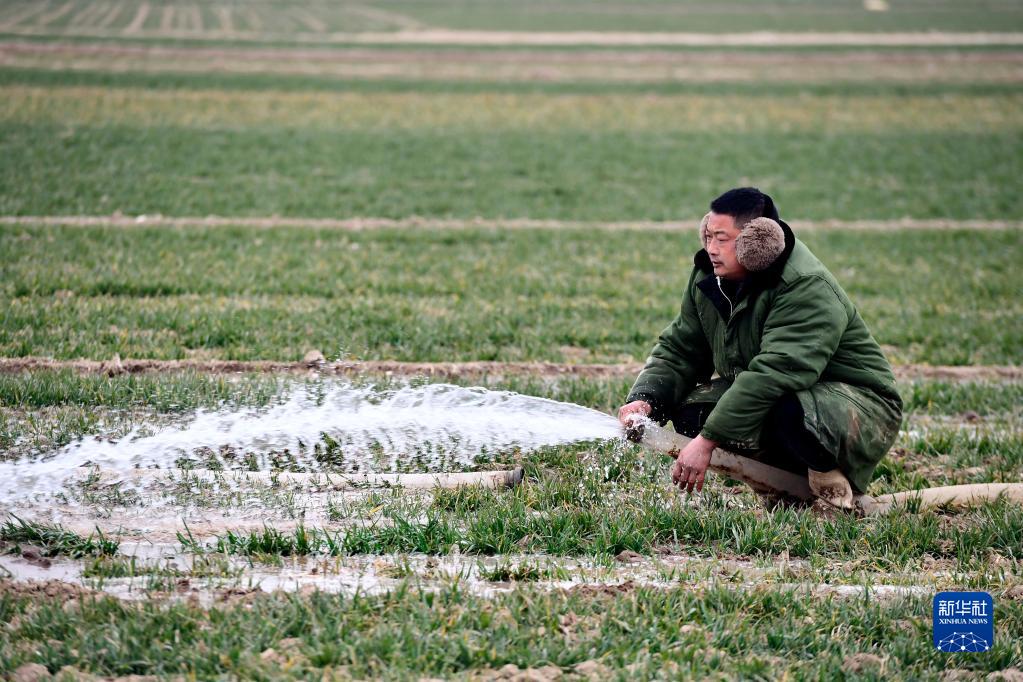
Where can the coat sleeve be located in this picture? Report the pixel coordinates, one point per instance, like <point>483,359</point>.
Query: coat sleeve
<point>801,333</point>
<point>681,358</point>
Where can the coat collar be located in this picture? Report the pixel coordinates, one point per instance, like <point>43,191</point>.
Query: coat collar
<point>764,278</point>
<point>752,285</point>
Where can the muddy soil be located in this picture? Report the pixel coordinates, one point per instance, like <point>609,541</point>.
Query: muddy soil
<point>448,370</point>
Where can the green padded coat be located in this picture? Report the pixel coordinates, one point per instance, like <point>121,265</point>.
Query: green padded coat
<point>789,329</point>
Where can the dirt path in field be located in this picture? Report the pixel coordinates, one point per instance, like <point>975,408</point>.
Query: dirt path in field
<point>170,30</point>
<point>909,372</point>
<point>641,65</point>
<point>217,55</point>
<point>358,224</point>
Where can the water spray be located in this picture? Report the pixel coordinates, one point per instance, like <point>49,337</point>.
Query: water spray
<point>322,481</point>
<point>433,429</point>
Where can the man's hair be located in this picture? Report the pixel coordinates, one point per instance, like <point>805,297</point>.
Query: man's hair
<point>744,204</point>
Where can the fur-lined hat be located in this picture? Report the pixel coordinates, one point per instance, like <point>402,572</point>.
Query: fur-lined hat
<point>759,243</point>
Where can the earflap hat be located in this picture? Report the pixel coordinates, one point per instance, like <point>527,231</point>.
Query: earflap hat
<point>760,240</point>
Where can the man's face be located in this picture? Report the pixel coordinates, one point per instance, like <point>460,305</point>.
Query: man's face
<point>721,234</point>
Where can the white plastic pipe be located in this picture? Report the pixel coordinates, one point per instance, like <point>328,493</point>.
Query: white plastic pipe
<point>757,475</point>
<point>959,496</point>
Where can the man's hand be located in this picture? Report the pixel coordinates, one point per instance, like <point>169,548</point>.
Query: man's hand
<point>691,464</point>
<point>640,407</point>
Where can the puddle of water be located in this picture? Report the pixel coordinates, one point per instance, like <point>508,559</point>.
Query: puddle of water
<point>335,426</point>
<point>369,575</point>
<point>21,569</point>
<point>922,427</point>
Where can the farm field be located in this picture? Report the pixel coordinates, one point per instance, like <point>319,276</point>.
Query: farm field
<point>311,21</point>
<point>469,205</point>
<point>592,540</point>
<point>467,294</point>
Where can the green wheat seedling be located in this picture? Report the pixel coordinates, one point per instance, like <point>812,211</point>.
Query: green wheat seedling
<point>55,540</point>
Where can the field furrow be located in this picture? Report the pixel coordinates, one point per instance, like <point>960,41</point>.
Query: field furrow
<point>441,370</point>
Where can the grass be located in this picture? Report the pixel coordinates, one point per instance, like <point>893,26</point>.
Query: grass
<point>604,503</point>
<point>283,21</point>
<point>573,174</point>
<point>54,76</point>
<point>94,106</point>
<point>446,295</point>
<point>717,631</point>
<point>894,542</point>
<point>521,572</point>
<point>186,391</point>
<point>156,576</point>
<point>55,540</point>
<point>657,15</point>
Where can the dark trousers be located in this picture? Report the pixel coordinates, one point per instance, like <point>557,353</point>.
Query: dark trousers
<point>787,444</point>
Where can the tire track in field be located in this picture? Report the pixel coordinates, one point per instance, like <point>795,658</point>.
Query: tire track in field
<point>89,16</point>
<point>15,18</point>
<point>309,20</point>
<point>193,18</point>
<point>254,21</point>
<point>908,372</point>
<point>386,17</point>
<point>166,20</point>
<point>359,223</point>
<point>139,19</point>
<point>53,15</point>
<point>82,17</point>
<point>223,15</point>
<point>110,17</point>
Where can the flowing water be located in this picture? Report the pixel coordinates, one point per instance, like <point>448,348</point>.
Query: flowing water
<point>334,426</point>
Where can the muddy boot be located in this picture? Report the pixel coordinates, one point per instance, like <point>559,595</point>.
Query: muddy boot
<point>832,487</point>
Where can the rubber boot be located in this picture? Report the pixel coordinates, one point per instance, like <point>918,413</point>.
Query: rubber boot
<point>831,487</point>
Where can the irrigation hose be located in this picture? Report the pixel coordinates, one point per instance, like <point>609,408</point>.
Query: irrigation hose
<point>766,478</point>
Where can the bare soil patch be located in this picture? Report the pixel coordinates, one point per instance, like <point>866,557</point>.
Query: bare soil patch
<point>442,370</point>
<point>431,369</point>
<point>642,65</point>
<point>358,224</point>
<point>43,588</point>
<point>172,29</point>
<point>218,55</point>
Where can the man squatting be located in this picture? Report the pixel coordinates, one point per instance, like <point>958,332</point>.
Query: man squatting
<point>801,383</point>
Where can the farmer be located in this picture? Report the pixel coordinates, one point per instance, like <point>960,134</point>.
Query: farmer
<point>802,385</point>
